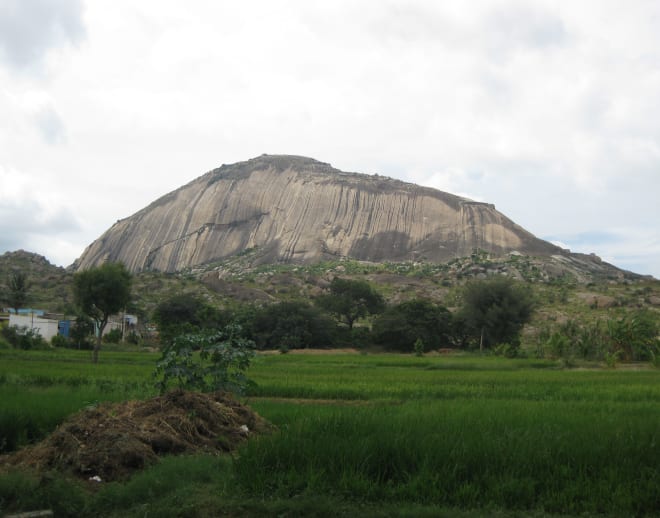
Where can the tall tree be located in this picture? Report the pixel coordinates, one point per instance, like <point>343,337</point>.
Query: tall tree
<point>350,300</point>
<point>292,324</point>
<point>495,311</point>
<point>186,313</point>
<point>18,286</point>
<point>400,326</point>
<point>101,292</point>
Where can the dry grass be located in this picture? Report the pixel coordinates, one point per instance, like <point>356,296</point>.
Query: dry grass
<point>113,440</point>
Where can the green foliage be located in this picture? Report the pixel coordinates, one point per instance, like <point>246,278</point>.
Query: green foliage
<point>631,337</point>
<point>350,300</point>
<point>186,313</point>
<point>612,358</point>
<point>495,311</point>
<point>81,331</point>
<point>419,347</point>
<point>133,338</point>
<point>17,289</point>
<point>634,336</point>
<point>398,327</point>
<point>113,336</point>
<point>222,359</point>
<point>59,341</point>
<point>655,357</point>
<point>292,325</point>
<point>22,337</point>
<point>100,292</point>
<point>506,350</point>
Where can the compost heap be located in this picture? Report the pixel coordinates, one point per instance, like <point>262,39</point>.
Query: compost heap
<point>112,440</point>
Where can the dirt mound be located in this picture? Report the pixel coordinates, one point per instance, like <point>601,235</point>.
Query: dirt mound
<point>113,440</point>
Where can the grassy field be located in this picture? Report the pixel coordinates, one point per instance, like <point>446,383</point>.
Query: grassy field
<point>368,435</point>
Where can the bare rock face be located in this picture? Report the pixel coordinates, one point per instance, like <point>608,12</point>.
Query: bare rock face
<point>298,210</point>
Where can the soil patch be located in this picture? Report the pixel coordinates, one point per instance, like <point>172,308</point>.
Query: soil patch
<point>113,440</point>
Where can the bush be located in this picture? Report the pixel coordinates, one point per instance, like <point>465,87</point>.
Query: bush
<point>419,347</point>
<point>506,350</point>
<point>113,336</point>
<point>634,336</point>
<point>59,341</point>
<point>22,337</point>
<point>224,357</point>
<point>133,338</point>
<point>629,337</point>
<point>359,337</point>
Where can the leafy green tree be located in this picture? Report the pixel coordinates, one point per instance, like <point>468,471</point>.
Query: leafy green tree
<point>186,313</point>
<point>100,292</point>
<point>81,331</point>
<point>350,300</point>
<point>292,325</point>
<point>400,326</point>
<point>494,311</point>
<point>17,290</point>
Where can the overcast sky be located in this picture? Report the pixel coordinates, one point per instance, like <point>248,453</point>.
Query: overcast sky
<point>548,109</point>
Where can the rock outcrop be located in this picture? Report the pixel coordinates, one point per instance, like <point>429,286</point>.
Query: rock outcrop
<point>298,210</point>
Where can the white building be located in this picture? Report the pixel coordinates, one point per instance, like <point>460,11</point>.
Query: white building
<point>46,327</point>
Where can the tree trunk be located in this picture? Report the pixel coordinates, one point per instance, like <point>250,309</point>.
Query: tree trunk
<point>97,348</point>
<point>481,341</point>
<point>100,326</point>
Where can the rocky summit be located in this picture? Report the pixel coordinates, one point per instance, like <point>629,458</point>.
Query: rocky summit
<point>292,209</point>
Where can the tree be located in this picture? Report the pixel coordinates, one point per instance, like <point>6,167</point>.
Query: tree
<point>350,300</point>
<point>18,287</point>
<point>81,330</point>
<point>400,326</point>
<point>294,325</point>
<point>186,313</point>
<point>494,311</point>
<point>100,292</point>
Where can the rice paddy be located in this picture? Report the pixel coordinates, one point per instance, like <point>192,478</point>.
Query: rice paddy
<point>374,434</point>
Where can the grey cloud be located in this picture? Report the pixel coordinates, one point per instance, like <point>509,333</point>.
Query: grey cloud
<point>30,28</point>
<point>50,125</point>
<point>18,220</point>
<point>521,26</point>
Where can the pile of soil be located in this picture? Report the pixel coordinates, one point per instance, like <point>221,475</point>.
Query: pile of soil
<point>113,440</point>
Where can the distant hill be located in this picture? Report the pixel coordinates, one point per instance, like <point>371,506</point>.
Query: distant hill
<point>291,209</point>
<point>573,287</point>
<point>50,285</point>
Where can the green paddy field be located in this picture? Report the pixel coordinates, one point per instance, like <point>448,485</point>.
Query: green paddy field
<point>364,435</point>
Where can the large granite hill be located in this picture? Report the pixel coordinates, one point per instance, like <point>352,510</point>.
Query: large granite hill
<point>298,210</point>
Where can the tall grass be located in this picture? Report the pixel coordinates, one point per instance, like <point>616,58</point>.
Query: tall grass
<point>562,457</point>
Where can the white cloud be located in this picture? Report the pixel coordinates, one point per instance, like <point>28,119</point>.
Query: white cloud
<point>549,110</point>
